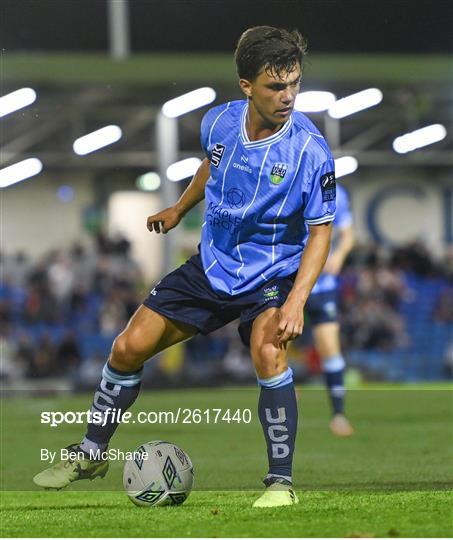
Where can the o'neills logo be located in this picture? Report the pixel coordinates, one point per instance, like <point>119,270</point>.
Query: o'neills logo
<point>244,168</point>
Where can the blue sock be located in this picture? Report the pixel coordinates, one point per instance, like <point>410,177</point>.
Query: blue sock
<point>334,374</point>
<point>277,410</point>
<point>117,391</point>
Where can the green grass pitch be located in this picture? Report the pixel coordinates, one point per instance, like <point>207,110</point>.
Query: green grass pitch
<point>393,478</point>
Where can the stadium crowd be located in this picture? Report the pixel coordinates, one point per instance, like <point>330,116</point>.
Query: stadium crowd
<point>375,282</point>
<point>59,314</point>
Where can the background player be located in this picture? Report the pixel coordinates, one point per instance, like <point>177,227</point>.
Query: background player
<point>322,310</point>
<point>256,260</point>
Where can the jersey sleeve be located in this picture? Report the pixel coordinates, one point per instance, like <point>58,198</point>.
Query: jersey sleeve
<point>320,195</point>
<point>343,214</point>
<point>204,133</point>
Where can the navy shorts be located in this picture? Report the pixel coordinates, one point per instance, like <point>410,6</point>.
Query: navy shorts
<point>322,307</point>
<point>185,295</point>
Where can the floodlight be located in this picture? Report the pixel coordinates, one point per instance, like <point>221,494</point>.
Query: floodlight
<point>19,171</point>
<point>418,138</point>
<point>314,101</point>
<point>355,103</point>
<point>97,139</point>
<point>345,165</point>
<point>16,100</point>
<point>183,169</point>
<point>149,181</point>
<point>188,102</point>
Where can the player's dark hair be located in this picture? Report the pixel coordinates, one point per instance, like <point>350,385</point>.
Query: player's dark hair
<point>275,50</point>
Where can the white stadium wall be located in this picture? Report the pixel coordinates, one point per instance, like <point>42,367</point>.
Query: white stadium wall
<point>127,214</point>
<point>35,220</point>
<point>394,209</point>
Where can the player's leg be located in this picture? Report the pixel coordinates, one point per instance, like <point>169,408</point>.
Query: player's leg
<point>327,342</point>
<point>146,334</point>
<point>277,409</point>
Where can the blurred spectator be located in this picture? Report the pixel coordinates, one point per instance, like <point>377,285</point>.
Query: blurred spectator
<point>43,361</point>
<point>415,258</point>
<point>447,264</point>
<point>443,310</point>
<point>60,275</point>
<point>41,305</point>
<point>24,353</point>
<point>448,361</point>
<point>68,356</point>
<point>113,314</point>
<point>83,262</point>
<point>370,293</point>
<point>372,324</point>
<point>15,269</point>
<point>9,368</point>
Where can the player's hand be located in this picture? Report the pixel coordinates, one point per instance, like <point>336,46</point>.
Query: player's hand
<point>164,221</point>
<point>290,323</point>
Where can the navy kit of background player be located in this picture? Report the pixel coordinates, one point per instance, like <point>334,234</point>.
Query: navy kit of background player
<point>322,311</point>
<point>267,175</point>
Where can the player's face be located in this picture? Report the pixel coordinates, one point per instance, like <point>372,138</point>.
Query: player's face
<point>272,96</point>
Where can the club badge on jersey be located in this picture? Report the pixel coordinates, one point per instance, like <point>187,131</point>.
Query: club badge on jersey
<point>278,173</point>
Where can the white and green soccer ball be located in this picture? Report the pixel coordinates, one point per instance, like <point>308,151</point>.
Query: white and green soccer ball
<point>160,474</point>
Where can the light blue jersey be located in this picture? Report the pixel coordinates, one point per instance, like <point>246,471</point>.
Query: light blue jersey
<point>343,218</point>
<point>260,196</point>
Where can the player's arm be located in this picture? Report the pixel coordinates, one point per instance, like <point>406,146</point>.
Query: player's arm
<point>336,259</point>
<point>312,261</point>
<point>170,217</point>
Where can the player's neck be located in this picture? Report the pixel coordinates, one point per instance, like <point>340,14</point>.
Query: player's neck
<point>257,127</point>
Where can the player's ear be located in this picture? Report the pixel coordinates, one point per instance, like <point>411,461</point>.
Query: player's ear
<point>246,87</point>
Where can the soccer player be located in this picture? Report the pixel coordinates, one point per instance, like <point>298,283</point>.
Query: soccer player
<point>321,308</point>
<point>267,176</point>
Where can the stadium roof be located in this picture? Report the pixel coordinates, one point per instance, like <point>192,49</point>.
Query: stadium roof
<point>80,93</point>
<point>60,68</point>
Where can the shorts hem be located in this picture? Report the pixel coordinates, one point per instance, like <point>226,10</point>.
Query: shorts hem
<point>255,315</point>
<point>172,317</point>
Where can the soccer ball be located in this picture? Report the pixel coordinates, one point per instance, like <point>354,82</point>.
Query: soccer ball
<point>159,474</point>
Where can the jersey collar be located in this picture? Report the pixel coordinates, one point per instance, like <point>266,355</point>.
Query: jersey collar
<point>268,140</point>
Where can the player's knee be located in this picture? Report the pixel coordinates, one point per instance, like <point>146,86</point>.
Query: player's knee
<point>126,353</point>
<point>268,360</point>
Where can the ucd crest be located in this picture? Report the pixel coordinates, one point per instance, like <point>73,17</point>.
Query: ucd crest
<point>278,173</point>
